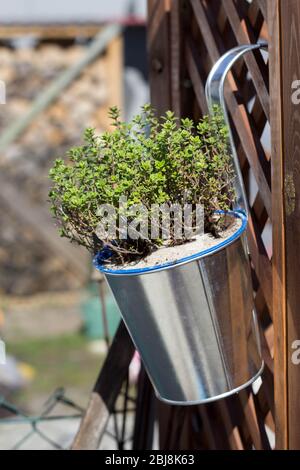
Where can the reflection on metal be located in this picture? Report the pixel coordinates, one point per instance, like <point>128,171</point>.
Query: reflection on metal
<point>215,96</point>
<point>193,322</point>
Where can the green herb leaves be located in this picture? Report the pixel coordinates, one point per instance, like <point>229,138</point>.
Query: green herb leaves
<point>148,161</point>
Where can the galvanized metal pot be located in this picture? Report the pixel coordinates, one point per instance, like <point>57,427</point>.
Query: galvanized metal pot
<point>193,321</point>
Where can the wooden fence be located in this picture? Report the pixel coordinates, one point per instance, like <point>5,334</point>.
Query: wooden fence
<point>185,38</point>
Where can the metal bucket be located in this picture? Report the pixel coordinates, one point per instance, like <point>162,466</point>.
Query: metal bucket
<point>193,322</point>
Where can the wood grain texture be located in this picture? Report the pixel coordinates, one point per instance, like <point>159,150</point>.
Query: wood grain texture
<point>290,66</point>
<point>159,57</point>
<point>279,305</point>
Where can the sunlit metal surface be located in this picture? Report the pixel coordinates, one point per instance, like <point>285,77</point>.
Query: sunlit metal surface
<point>194,323</point>
<point>215,96</point>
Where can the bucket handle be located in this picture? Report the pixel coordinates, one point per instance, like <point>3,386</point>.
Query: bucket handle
<point>214,91</point>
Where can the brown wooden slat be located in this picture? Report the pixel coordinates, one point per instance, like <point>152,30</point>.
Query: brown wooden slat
<point>205,29</point>
<point>265,443</point>
<point>243,129</point>
<point>278,262</point>
<point>261,263</point>
<point>264,7</point>
<point>159,56</point>
<point>266,353</point>
<point>266,394</point>
<point>145,414</point>
<point>105,392</point>
<point>243,38</point>
<point>289,18</point>
<point>232,430</point>
<point>193,70</point>
<point>251,419</point>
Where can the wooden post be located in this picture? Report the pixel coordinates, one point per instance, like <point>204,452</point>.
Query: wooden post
<point>105,392</point>
<point>284,48</point>
<point>165,54</point>
<point>145,414</point>
<point>159,54</point>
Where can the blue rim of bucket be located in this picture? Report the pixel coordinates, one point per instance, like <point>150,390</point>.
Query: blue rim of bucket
<point>106,252</point>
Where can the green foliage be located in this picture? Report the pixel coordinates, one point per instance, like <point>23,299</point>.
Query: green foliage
<point>148,161</point>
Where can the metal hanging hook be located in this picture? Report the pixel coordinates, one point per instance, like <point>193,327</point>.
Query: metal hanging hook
<point>214,91</point>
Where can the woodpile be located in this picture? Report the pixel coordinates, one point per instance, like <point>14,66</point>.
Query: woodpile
<point>26,265</point>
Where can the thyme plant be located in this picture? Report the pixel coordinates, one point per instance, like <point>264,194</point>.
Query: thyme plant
<point>147,161</point>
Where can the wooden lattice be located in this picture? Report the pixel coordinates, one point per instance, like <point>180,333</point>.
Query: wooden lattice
<point>185,39</point>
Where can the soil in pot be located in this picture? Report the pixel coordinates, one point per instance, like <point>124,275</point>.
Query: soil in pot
<point>169,254</point>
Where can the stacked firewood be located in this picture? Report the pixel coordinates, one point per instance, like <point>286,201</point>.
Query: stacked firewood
<point>26,266</point>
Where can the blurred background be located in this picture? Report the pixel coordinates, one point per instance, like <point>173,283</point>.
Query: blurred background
<point>63,65</point>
